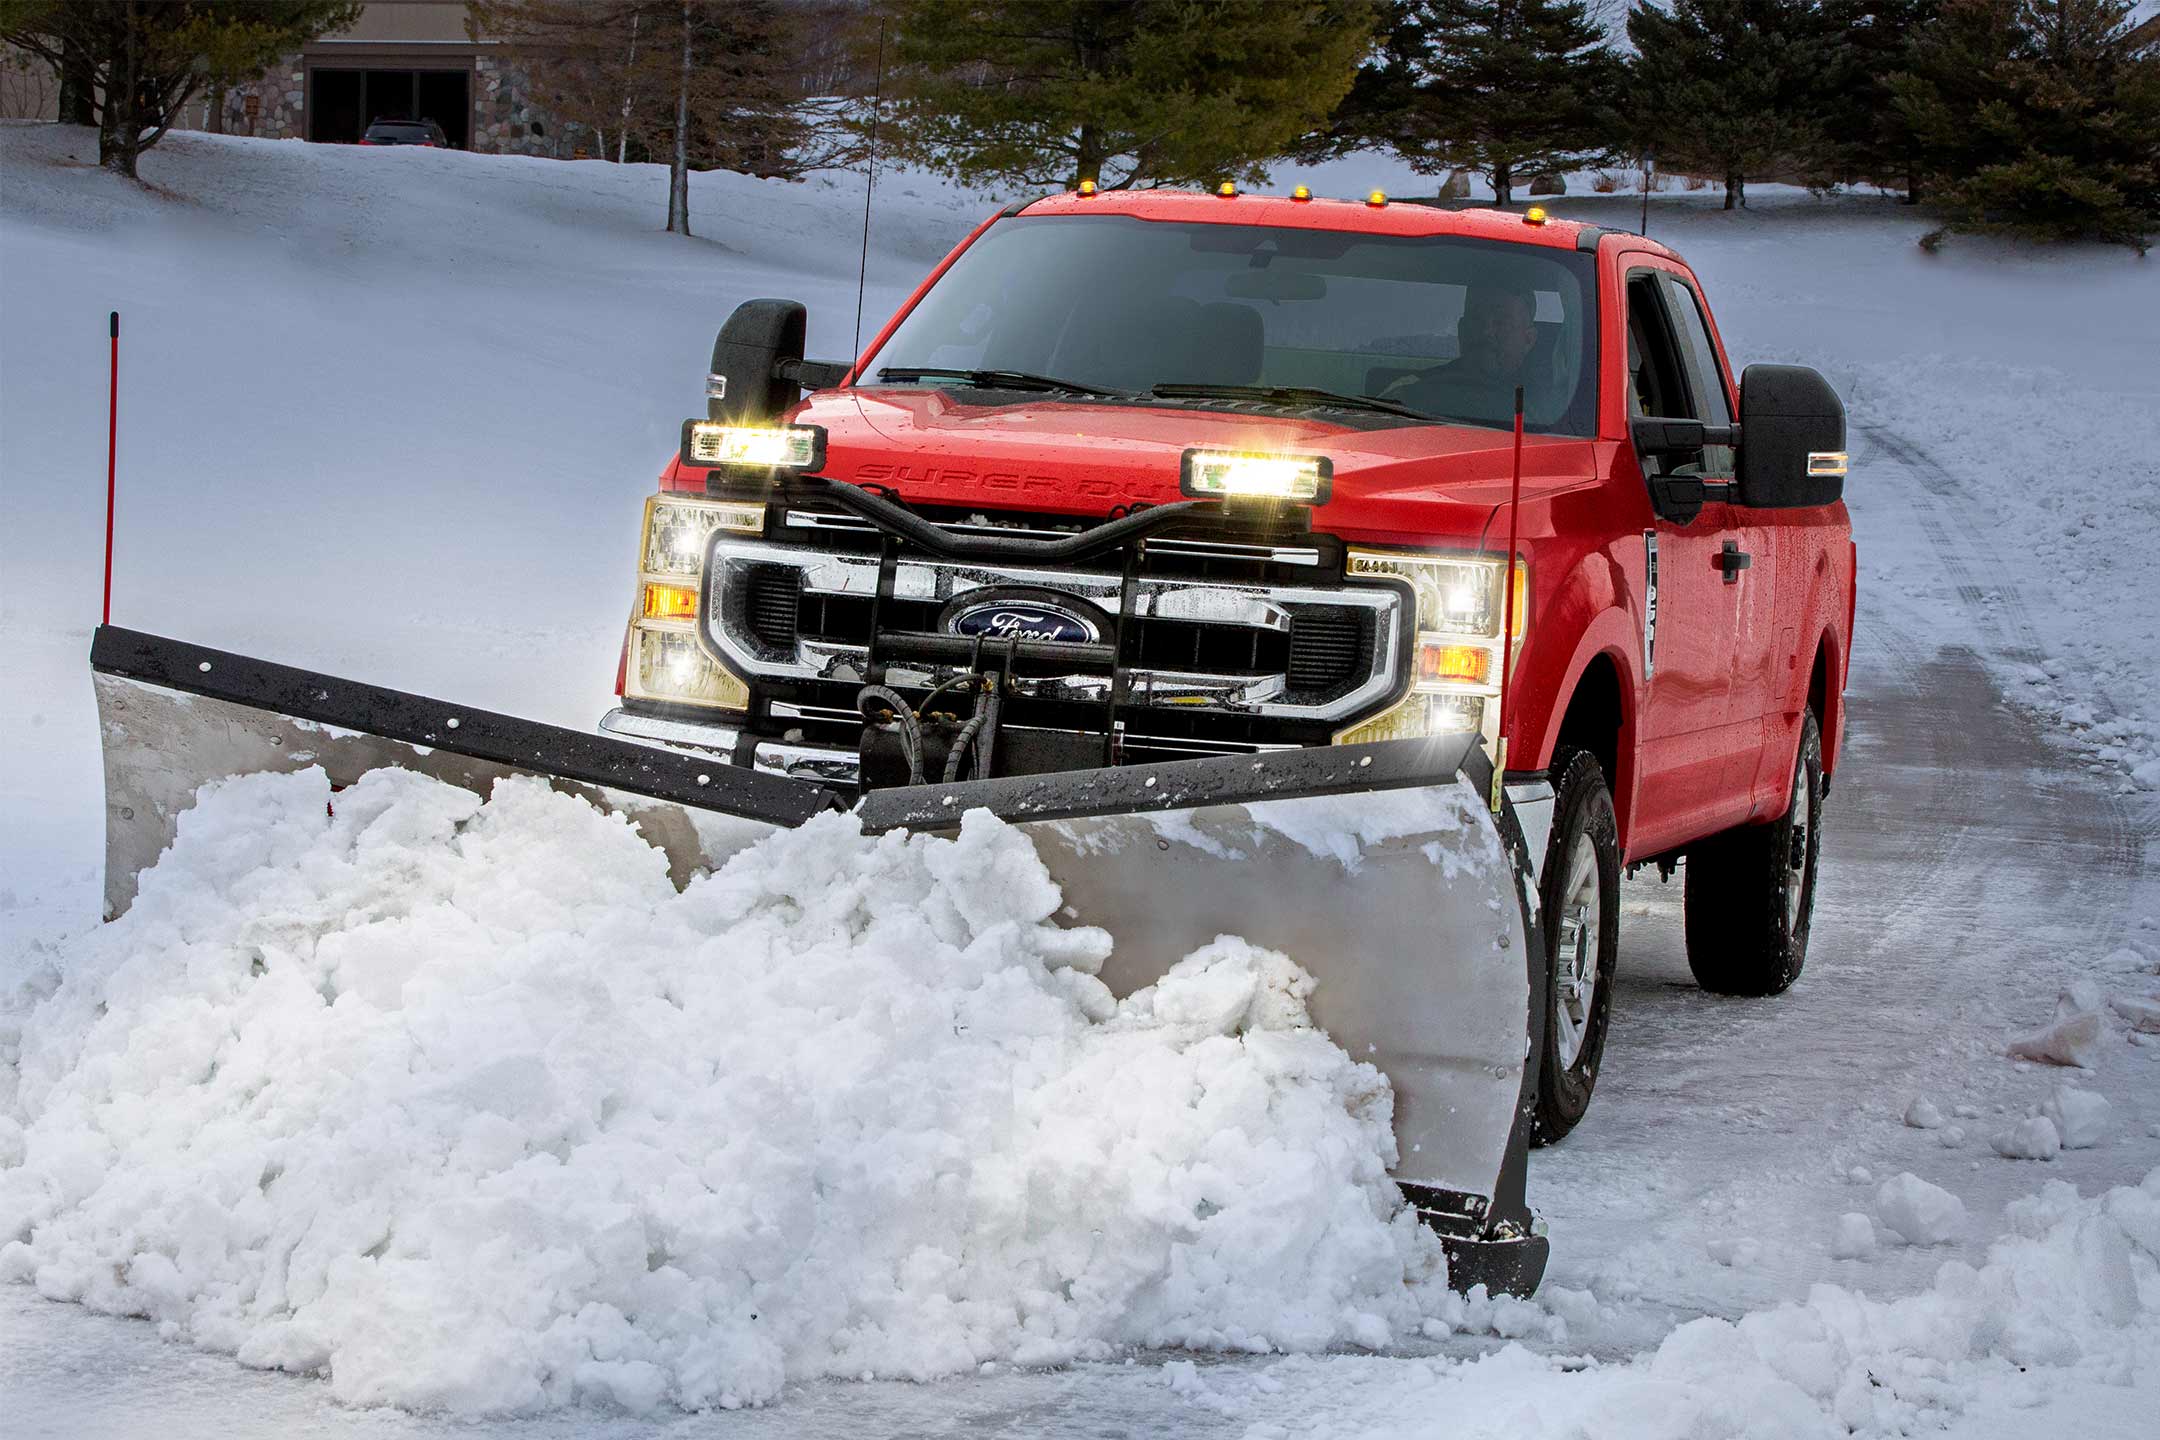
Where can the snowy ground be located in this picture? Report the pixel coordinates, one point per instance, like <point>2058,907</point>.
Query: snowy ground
<point>403,405</point>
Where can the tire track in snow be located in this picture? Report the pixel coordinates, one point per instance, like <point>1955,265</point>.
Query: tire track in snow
<point>1942,506</point>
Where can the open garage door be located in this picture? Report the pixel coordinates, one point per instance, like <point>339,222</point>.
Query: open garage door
<point>342,101</point>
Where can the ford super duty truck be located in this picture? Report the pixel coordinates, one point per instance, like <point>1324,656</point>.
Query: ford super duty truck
<point>1134,478</point>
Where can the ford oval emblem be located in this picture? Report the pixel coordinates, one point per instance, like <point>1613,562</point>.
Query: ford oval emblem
<point>1023,619</point>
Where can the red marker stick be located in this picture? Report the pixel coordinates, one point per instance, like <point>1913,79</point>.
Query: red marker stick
<point>112,458</point>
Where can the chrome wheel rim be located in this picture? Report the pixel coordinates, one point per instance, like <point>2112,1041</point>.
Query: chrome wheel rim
<point>1796,856</point>
<point>1577,930</point>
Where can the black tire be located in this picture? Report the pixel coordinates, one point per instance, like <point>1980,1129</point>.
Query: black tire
<point>1583,852</point>
<point>1751,890</point>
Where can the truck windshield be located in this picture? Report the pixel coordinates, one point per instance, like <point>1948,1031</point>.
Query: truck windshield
<point>1441,326</point>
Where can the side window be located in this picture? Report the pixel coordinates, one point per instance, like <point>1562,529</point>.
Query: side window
<point>1657,380</point>
<point>1705,379</point>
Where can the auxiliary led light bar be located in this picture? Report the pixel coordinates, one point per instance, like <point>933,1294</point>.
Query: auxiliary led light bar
<point>763,447</point>
<point>1249,475</point>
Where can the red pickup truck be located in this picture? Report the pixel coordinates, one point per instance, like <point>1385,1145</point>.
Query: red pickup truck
<point>1683,572</point>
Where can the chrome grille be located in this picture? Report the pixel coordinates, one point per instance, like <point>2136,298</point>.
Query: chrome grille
<point>1196,646</point>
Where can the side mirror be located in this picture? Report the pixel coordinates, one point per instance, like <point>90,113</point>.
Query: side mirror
<point>744,386</point>
<point>1792,439</point>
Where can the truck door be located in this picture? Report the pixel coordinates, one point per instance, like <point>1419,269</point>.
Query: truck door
<point>1691,745</point>
<point>1758,649</point>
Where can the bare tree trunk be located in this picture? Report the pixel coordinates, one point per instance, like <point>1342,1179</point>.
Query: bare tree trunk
<point>622,141</point>
<point>1735,190</point>
<point>216,122</point>
<point>1503,184</point>
<point>679,172</point>
<point>117,139</point>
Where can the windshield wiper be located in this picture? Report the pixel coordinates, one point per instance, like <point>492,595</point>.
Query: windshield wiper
<point>1305,395</point>
<point>999,380</point>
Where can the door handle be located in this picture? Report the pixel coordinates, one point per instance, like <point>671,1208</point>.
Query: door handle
<point>1732,560</point>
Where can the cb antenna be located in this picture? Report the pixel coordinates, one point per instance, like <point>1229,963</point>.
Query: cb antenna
<point>877,108</point>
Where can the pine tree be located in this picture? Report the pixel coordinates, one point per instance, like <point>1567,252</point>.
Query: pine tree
<point>133,65</point>
<point>1869,141</point>
<point>2039,118</point>
<point>1508,88</point>
<point>1124,92</point>
<point>1734,88</point>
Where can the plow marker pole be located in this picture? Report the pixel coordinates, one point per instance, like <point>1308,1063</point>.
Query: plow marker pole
<point>112,459</point>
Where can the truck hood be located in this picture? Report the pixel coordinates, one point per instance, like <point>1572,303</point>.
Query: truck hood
<point>932,447</point>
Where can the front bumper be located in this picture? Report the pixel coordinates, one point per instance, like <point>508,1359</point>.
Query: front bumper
<point>828,764</point>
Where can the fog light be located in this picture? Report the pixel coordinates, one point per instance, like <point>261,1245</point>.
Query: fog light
<point>1419,717</point>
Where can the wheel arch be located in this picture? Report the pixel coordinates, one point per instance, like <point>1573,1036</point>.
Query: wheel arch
<point>1595,709</point>
<point>1826,696</point>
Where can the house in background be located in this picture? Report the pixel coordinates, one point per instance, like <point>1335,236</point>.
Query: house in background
<point>402,60</point>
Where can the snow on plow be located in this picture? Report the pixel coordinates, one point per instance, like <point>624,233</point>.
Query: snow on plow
<point>1376,868</point>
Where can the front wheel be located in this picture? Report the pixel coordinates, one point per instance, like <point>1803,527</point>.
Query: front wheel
<point>1579,898</point>
<point>1751,890</point>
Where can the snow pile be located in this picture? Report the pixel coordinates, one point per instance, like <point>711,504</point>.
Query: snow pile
<point>1918,1213</point>
<point>462,1103</point>
<point>2075,1284</point>
<point>2067,1301</point>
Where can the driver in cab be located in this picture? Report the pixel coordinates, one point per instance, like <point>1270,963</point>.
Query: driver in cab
<point>1494,338</point>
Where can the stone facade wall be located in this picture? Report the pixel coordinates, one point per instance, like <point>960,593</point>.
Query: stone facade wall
<point>281,101</point>
<point>507,121</point>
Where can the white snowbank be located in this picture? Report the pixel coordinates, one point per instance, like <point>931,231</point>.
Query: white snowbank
<point>463,1104</point>
<point>2068,1300</point>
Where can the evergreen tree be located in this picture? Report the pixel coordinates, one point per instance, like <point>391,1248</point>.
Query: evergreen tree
<point>1508,88</point>
<point>2038,117</point>
<point>1124,92</point>
<point>1734,88</point>
<point>135,63</point>
<point>1869,141</point>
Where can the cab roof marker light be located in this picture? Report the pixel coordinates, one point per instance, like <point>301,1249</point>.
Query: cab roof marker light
<point>1235,475</point>
<point>712,443</point>
<point>1087,188</point>
<point>1826,462</point>
<point>1301,193</point>
<point>1227,189</point>
<point>1377,199</point>
<point>1535,215</point>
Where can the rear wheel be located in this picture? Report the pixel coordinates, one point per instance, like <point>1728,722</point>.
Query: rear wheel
<point>1751,890</point>
<point>1579,899</point>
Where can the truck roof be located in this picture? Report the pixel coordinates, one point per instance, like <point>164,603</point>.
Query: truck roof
<point>1391,217</point>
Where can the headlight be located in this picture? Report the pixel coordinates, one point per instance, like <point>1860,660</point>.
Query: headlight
<point>677,527</point>
<point>666,662</point>
<point>1458,653</point>
<point>756,447</point>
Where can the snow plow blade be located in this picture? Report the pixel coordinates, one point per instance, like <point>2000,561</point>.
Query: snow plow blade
<point>1378,868</point>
